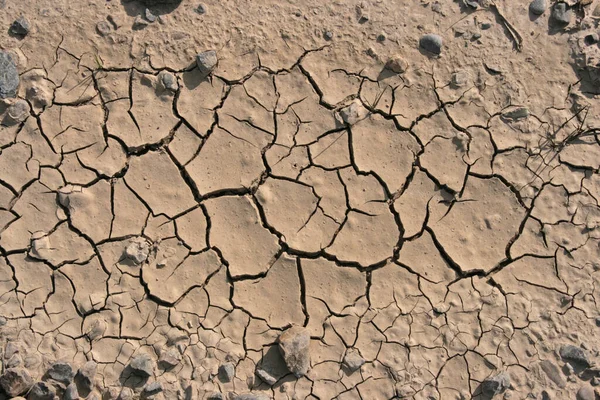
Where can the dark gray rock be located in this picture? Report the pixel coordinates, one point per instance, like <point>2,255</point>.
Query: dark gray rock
<point>294,347</point>
<point>561,14</point>
<point>41,391</point>
<point>152,389</point>
<point>495,384</point>
<point>432,43</point>
<point>216,396</point>
<point>486,25</point>
<point>139,23</point>
<point>472,3</point>
<point>15,381</point>
<point>61,372</point>
<point>85,377</point>
<point>328,35</point>
<point>20,26</point>
<point>546,395</point>
<point>201,9</point>
<point>9,77</point>
<point>381,37</point>
<point>207,61</point>
<point>226,372</point>
<point>141,365</point>
<point>71,393</point>
<point>538,7</point>
<point>575,354</point>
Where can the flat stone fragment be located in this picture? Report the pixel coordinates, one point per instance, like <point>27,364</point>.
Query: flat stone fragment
<point>561,14</point>
<point>152,389</point>
<point>353,360</point>
<point>496,384</point>
<point>9,76</point>
<point>226,372</point>
<point>294,345</point>
<point>16,381</point>
<point>266,377</point>
<point>575,354</point>
<point>170,358</point>
<point>207,61</point>
<point>553,372</point>
<point>432,43</point>
<point>141,365</point>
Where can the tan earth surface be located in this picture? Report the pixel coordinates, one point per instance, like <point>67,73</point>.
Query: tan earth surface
<point>332,211</point>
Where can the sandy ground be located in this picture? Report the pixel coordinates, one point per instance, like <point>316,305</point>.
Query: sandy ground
<point>420,226</point>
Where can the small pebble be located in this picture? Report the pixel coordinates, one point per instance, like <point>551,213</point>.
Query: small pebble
<point>20,26</point>
<point>207,61</point>
<point>561,14</point>
<point>201,9</point>
<point>538,7</point>
<point>486,25</point>
<point>381,37</point>
<point>397,65</point>
<point>328,35</point>
<point>150,17</point>
<point>226,372</point>
<point>2,321</point>
<point>139,23</point>
<point>432,43</point>
<point>460,79</point>
<point>472,3</point>
<point>363,18</point>
<point>476,36</point>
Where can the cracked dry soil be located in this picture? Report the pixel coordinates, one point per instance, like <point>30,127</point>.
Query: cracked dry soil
<point>308,220</point>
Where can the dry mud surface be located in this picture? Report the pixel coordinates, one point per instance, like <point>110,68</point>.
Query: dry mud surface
<point>426,227</point>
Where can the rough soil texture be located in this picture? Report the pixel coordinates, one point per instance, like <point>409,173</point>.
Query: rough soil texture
<point>420,225</point>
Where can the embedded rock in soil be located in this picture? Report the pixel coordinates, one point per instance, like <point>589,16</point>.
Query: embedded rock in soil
<point>294,345</point>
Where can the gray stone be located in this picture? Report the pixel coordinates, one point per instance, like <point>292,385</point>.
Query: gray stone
<point>15,381</point>
<point>495,384</point>
<point>574,354</point>
<point>207,61</point>
<point>152,389</point>
<point>486,25</point>
<point>9,77</point>
<point>141,365</point>
<point>561,14</point>
<point>150,17</point>
<point>294,345</point>
<point>538,7</point>
<point>353,360</point>
<point>137,250</point>
<point>41,391</point>
<point>2,321</point>
<point>20,26</point>
<point>61,372</point>
<point>553,372</point>
<point>266,377</point>
<point>352,113</point>
<point>71,392</point>
<point>85,377</point>
<point>168,81</point>
<point>226,372</point>
<point>14,361</point>
<point>328,35</point>
<point>201,9</point>
<point>586,392</point>
<point>381,37</point>
<point>546,395</point>
<point>472,3</point>
<point>432,43</point>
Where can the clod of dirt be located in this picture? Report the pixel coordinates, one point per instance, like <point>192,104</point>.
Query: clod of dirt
<point>352,113</point>
<point>397,65</point>
<point>19,111</point>
<point>496,384</point>
<point>20,26</point>
<point>137,250</point>
<point>207,61</point>
<point>538,7</point>
<point>16,381</point>
<point>432,43</point>
<point>9,76</point>
<point>294,346</point>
